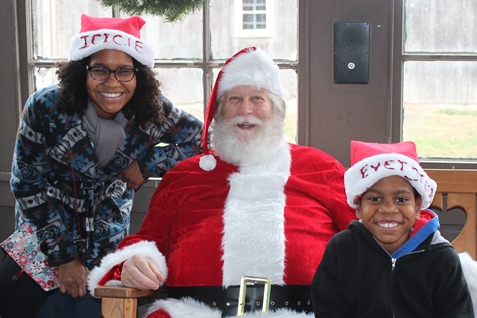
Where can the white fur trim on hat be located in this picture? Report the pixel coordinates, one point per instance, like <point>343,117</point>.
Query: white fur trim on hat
<point>363,174</point>
<point>252,68</point>
<point>87,43</point>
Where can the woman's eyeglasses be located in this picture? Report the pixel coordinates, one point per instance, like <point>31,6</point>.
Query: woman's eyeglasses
<point>101,73</point>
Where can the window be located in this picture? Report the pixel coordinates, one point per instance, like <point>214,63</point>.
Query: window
<point>254,18</point>
<point>187,62</point>
<point>254,15</point>
<point>439,94</point>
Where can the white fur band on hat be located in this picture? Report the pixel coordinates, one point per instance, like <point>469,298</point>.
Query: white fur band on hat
<point>363,174</point>
<point>252,68</point>
<point>87,43</point>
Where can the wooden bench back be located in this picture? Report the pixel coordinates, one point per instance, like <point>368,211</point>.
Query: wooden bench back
<point>458,189</point>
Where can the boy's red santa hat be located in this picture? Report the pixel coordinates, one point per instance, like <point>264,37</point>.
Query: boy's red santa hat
<point>98,34</point>
<point>371,162</point>
<point>250,67</point>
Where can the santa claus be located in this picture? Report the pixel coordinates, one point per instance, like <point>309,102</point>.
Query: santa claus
<point>241,228</point>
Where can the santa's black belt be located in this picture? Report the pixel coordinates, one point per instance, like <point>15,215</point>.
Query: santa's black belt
<point>295,297</point>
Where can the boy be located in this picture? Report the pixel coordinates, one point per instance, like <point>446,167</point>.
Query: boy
<point>393,262</point>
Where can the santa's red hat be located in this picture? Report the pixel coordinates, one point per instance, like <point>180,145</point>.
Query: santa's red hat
<point>371,162</point>
<point>98,34</point>
<point>251,67</point>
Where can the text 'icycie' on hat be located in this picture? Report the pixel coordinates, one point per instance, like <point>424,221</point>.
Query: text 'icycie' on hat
<point>249,67</point>
<point>98,34</point>
<point>371,162</point>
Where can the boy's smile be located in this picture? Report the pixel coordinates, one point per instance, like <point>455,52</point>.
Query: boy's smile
<point>388,209</point>
<point>388,224</point>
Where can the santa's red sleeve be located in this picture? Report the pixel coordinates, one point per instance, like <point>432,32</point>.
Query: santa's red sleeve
<point>342,214</point>
<point>149,242</point>
<point>108,273</point>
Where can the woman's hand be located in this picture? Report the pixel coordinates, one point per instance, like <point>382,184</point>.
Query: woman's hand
<point>132,176</point>
<point>73,277</point>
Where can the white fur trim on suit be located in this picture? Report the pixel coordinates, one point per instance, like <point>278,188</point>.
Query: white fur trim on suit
<point>190,308</point>
<point>254,237</point>
<point>363,174</point>
<point>146,248</point>
<point>469,266</point>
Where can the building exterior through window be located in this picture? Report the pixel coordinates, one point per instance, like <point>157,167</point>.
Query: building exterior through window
<point>437,55</point>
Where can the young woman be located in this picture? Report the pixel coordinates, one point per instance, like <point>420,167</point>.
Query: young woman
<point>83,147</point>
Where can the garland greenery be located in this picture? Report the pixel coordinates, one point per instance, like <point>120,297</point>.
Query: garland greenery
<point>172,10</point>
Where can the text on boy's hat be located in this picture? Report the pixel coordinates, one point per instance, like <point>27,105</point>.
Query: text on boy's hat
<point>371,162</point>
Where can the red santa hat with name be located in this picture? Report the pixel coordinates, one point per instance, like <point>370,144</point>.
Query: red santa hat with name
<point>371,162</point>
<point>121,34</point>
<point>249,66</point>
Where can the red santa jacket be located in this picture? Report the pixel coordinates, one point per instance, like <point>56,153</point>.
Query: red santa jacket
<point>209,228</point>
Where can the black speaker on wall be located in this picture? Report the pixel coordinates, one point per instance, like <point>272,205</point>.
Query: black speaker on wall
<point>351,52</point>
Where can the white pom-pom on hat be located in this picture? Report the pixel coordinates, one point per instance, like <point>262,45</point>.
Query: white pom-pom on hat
<point>207,162</point>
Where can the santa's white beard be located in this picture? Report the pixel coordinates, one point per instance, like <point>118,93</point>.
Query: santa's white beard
<point>242,147</point>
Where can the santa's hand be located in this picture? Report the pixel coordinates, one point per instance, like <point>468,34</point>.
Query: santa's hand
<point>142,273</point>
<point>72,278</point>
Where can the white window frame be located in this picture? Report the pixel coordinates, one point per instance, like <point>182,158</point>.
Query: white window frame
<point>238,17</point>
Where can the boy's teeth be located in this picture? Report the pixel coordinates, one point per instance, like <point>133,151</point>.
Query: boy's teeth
<point>388,225</point>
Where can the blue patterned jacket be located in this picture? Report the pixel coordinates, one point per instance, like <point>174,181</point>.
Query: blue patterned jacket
<point>58,183</point>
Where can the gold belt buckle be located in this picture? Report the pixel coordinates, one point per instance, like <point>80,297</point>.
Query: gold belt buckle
<point>243,292</point>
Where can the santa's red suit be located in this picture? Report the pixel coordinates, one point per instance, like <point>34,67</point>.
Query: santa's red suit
<point>210,228</point>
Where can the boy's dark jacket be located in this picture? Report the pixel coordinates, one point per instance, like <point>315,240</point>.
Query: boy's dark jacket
<point>424,278</point>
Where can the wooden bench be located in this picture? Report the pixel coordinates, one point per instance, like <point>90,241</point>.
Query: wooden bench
<point>455,189</point>
<point>122,302</point>
<point>458,189</point>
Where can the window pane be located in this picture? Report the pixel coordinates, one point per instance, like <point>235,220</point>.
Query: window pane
<point>226,41</point>
<point>254,21</point>
<point>55,23</point>
<point>440,26</point>
<point>44,77</point>
<point>248,20</point>
<point>253,5</point>
<point>440,108</point>
<point>183,86</point>
<point>180,39</point>
<point>289,80</point>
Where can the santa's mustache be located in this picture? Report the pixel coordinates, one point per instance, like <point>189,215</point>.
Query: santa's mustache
<point>245,120</point>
